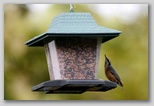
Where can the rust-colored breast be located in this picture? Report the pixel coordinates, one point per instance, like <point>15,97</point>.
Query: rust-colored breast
<point>109,75</point>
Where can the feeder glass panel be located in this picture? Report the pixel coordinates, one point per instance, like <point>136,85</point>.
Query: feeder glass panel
<point>73,57</point>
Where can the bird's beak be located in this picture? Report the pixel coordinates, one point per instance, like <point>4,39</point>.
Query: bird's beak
<point>105,56</point>
<point>107,59</point>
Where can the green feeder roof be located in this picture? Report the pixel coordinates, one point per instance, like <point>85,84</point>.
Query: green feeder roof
<point>73,24</point>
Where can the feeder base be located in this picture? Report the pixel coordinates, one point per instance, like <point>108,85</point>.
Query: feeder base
<point>76,86</point>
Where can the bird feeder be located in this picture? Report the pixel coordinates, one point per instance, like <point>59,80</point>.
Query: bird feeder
<point>72,45</point>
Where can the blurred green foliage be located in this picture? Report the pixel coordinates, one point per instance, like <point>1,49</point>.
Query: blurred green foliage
<point>26,66</point>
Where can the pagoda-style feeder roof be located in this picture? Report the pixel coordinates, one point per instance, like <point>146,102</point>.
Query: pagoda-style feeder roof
<point>73,24</point>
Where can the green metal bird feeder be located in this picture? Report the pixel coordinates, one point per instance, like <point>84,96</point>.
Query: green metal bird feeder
<point>72,44</point>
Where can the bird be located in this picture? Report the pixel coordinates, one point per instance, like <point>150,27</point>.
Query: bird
<point>110,72</point>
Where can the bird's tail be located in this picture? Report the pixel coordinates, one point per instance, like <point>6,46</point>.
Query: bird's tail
<point>120,84</point>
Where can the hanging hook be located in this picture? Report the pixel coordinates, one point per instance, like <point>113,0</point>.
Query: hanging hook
<point>71,8</point>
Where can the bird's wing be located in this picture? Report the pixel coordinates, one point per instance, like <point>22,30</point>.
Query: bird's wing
<point>111,69</point>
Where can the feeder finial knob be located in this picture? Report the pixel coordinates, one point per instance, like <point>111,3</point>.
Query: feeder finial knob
<point>71,8</point>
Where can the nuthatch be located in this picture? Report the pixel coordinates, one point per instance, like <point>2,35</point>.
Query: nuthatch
<point>111,73</point>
